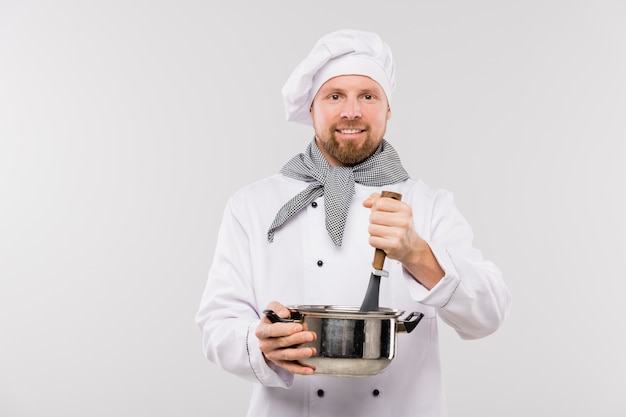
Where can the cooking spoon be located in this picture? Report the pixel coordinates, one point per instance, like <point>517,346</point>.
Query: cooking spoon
<point>370,301</point>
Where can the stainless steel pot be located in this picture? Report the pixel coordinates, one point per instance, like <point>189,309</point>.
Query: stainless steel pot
<point>350,342</point>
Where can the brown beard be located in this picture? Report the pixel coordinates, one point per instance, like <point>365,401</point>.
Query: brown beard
<point>349,152</point>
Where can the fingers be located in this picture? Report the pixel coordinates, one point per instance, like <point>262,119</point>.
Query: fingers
<point>281,335</point>
<point>284,357</point>
<point>391,226</point>
<point>390,219</point>
<point>296,367</point>
<point>385,205</point>
<point>281,343</point>
<point>285,352</point>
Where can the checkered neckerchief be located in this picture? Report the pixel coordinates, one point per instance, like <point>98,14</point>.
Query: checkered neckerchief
<point>336,184</point>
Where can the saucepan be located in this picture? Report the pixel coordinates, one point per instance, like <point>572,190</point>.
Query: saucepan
<point>350,342</point>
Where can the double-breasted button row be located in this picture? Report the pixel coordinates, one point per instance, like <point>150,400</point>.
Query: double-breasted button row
<point>320,393</point>
<point>320,263</point>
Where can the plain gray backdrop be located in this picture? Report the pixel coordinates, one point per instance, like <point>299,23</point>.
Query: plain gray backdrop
<point>125,126</point>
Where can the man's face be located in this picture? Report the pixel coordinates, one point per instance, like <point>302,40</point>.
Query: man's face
<point>350,114</point>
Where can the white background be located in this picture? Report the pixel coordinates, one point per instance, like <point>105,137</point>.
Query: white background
<point>125,126</point>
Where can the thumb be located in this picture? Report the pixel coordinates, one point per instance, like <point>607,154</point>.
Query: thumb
<point>369,202</point>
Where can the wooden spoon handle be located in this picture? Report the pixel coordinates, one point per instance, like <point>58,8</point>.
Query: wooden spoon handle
<point>379,254</point>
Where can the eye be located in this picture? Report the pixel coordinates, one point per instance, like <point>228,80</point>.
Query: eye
<point>368,97</point>
<point>334,96</point>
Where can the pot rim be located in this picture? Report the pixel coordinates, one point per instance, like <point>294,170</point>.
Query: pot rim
<point>348,312</point>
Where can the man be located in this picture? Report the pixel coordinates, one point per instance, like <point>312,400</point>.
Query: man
<point>305,236</point>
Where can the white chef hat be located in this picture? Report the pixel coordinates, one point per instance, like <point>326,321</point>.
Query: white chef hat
<point>342,52</point>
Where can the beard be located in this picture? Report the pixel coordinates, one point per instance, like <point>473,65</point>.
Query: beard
<point>348,152</point>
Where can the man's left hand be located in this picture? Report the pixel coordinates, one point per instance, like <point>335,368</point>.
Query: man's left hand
<point>391,230</point>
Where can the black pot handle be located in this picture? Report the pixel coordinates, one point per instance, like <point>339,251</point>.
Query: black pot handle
<point>410,322</point>
<point>275,318</point>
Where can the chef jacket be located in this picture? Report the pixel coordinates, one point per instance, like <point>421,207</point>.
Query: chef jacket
<point>302,266</point>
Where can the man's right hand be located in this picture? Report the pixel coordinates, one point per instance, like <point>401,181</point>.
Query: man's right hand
<point>278,342</point>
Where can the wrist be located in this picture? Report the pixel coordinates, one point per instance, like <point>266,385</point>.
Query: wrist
<point>423,265</point>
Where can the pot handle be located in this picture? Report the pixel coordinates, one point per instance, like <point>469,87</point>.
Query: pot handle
<point>409,323</point>
<point>275,318</point>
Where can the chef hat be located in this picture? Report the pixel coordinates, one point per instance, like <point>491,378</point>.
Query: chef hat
<point>339,53</point>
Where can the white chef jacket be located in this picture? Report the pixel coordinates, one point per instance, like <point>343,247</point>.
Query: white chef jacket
<point>303,266</point>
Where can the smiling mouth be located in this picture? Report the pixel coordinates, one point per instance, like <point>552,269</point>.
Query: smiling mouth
<point>350,131</point>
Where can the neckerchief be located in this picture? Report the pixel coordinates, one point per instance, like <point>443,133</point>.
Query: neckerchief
<point>336,184</point>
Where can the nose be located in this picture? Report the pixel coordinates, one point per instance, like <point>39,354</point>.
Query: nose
<point>351,109</point>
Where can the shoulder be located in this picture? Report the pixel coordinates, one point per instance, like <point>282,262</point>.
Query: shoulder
<point>273,187</point>
<point>419,191</point>
<point>263,198</point>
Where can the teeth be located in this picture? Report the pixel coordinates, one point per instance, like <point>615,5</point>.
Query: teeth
<point>350,131</point>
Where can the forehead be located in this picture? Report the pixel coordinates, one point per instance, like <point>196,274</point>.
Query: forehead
<point>351,82</point>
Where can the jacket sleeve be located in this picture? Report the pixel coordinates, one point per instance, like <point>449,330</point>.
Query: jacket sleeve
<point>471,297</point>
<point>228,315</point>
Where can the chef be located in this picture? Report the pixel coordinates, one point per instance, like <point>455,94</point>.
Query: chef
<point>305,236</point>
